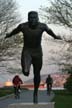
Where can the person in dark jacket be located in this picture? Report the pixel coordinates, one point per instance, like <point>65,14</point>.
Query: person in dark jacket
<point>49,82</point>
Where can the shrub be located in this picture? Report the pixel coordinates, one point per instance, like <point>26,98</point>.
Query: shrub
<point>68,83</point>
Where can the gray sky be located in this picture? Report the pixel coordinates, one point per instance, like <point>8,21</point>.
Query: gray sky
<point>28,5</point>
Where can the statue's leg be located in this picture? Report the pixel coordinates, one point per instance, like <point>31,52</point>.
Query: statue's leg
<point>36,86</point>
<point>37,64</point>
<point>25,62</point>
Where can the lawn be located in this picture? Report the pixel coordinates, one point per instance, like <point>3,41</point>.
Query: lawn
<point>63,99</point>
<point>6,91</point>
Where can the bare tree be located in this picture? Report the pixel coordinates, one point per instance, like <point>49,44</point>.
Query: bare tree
<point>59,12</point>
<point>8,15</point>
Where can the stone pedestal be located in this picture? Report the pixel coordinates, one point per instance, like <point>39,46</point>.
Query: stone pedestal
<point>31,105</point>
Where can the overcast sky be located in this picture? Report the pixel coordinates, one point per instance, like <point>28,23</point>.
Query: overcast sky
<point>27,5</point>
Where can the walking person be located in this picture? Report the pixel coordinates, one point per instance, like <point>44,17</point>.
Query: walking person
<point>16,84</point>
<point>49,82</point>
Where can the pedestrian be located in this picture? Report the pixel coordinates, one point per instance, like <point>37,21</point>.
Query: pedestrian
<point>49,82</point>
<point>32,51</point>
<point>16,84</point>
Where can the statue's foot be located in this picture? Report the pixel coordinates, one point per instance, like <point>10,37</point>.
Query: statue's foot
<point>26,73</point>
<point>35,99</point>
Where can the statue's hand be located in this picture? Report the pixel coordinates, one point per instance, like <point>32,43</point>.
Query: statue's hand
<point>59,37</point>
<point>7,35</point>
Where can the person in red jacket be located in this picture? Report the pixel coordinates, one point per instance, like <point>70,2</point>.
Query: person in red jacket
<point>16,83</point>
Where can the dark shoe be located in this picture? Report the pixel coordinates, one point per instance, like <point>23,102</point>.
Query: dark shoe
<point>35,99</point>
<point>16,97</point>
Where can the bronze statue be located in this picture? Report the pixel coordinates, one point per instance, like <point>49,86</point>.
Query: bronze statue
<point>32,50</point>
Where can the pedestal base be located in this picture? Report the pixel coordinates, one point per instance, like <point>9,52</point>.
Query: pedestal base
<point>31,105</point>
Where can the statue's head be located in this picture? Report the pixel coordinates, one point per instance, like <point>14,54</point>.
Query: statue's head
<point>49,76</point>
<point>33,19</point>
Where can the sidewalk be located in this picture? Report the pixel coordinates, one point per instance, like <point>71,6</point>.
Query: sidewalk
<point>26,97</point>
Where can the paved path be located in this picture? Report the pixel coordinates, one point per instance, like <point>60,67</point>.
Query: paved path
<point>26,97</point>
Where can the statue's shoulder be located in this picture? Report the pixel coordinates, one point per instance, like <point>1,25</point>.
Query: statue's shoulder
<point>42,25</point>
<point>24,25</point>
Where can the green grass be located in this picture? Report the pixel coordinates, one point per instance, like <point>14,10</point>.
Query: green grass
<point>6,91</point>
<point>63,99</point>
